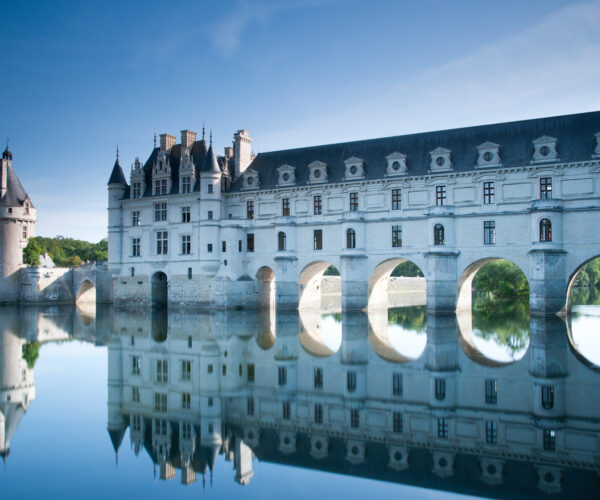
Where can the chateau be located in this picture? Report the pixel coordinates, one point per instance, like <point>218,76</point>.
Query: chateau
<point>190,227</point>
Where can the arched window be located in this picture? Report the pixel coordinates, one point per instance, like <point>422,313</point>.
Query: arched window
<point>281,240</point>
<point>438,234</point>
<point>350,238</point>
<point>545,230</point>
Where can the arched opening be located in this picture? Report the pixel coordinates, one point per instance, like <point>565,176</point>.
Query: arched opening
<point>265,279</point>
<point>493,312</point>
<point>438,234</point>
<point>397,283</point>
<point>281,241</point>
<point>350,238</point>
<point>320,334</point>
<point>86,293</point>
<point>398,334</point>
<point>320,287</point>
<point>160,289</point>
<point>266,328</point>
<point>545,230</point>
<point>159,325</point>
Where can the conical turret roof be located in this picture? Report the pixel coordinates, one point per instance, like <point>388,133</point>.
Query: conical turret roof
<point>117,176</point>
<point>116,438</point>
<point>15,194</point>
<point>210,164</point>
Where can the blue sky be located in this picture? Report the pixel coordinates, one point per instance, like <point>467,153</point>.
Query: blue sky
<point>80,77</point>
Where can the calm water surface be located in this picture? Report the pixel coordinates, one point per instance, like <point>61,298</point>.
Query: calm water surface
<point>263,404</point>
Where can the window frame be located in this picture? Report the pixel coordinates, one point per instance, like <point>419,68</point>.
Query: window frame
<point>440,195</point>
<point>317,204</point>
<point>396,199</point>
<point>397,236</point>
<point>489,232</point>
<point>489,193</point>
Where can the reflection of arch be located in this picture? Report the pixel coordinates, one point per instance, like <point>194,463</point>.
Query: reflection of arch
<point>266,328</point>
<point>575,349</point>
<point>312,338</point>
<point>572,277</point>
<point>86,293</point>
<point>309,283</point>
<point>159,325</point>
<point>380,340</point>
<point>379,284</point>
<point>265,278</point>
<point>160,287</point>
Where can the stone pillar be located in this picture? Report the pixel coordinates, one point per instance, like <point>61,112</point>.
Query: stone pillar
<point>548,283</point>
<point>441,281</point>
<point>442,359</point>
<point>286,282</point>
<point>355,281</point>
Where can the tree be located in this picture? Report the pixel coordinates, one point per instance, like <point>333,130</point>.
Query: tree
<point>32,253</point>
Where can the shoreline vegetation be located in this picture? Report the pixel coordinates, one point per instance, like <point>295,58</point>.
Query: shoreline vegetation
<point>64,252</point>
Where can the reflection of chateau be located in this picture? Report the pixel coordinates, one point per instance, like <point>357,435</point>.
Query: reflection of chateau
<point>442,421</point>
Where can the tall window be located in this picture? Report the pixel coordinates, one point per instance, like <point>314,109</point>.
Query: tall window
<point>491,391</point>
<point>186,244</point>
<point>135,394</point>
<point>440,195</point>
<point>186,370</point>
<point>160,212</point>
<point>547,397</point>
<point>162,242</point>
<point>162,371</point>
<point>354,418</point>
<point>397,384</point>
<point>351,381</point>
<point>250,372</point>
<point>250,406</point>
<point>396,236</point>
<point>285,207</point>
<point>186,430</point>
<point>210,215</point>
<point>317,205</point>
<point>285,410</point>
<point>160,187</point>
<point>250,242</point>
<point>545,230</point>
<point>545,188</point>
<point>186,184</point>
<point>438,234</point>
<point>318,239</point>
<point>489,196</point>
<point>396,199</point>
<point>350,238</point>
<point>442,428</point>
<point>318,413</point>
<point>440,389</point>
<point>489,232</point>
<point>318,378</point>
<point>353,202</point>
<point>136,365</point>
<point>397,422</point>
<point>137,189</point>
<point>160,427</point>
<point>491,431</point>
<point>135,247</point>
<point>135,218</point>
<point>186,215</point>
<point>223,246</point>
<point>281,240</point>
<point>24,232</point>
<point>137,423</point>
<point>209,188</point>
<point>549,439</point>
<point>160,402</point>
<point>282,375</point>
<point>249,210</point>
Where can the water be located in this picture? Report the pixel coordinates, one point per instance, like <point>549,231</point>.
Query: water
<point>299,405</point>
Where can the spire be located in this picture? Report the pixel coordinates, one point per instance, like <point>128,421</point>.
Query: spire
<point>117,152</point>
<point>203,131</point>
<point>117,176</point>
<point>7,155</point>
<point>154,138</point>
<point>211,136</point>
<point>210,163</point>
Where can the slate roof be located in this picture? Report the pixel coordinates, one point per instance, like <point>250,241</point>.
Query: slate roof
<point>15,194</point>
<point>117,176</point>
<point>210,164</point>
<point>575,135</point>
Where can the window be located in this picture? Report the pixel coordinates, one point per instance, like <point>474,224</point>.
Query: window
<point>162,242</point>
<point>209,188</point>
<point>397,384</point>
<point>137,190</point>
<point>318,239</point>
<point>250,242</point>
<point>249,210</point>
<point>318,413</point>
<point>488,193</point>
<point>353,202</point>
<point>135,394</point>
<point>136,365</point>
<point>547,397</point>
<point>354,418</point>
<point>186,244</point>
<point>223,246</point>
<point>160,402</point>
<point>282,375</point>
<point>491,392</point>
<point>396,199</point>
<point>397,422</point>
<point>545,188</point>
<point>224,370</point>
<point>318,378</point>
<point>160,212</point>
<point>209,247</point>
<point>162,371</point>
<point>250,372</point>
<point>281,240</point>
<point>350,238</point>
<point>438,234</point>
<point>440,389</point>
<point>186,401</point>
<point>239,245</point>
<point>135,247</point>
<point>250,406</point>
<point>210,215</point>
<point>24,232</point>
<point>190,342</point>
<point>489,232</point>
<point>442,428</point>
<point>317,205</point>
<point>209,368</point>
<point>137,423</point>
<point>440,195</point>
<point>491,432</point>
<point>351,381</point>
<point>285,207</point>
<point>26,208</point>
<point>186,214</point>
<point>286,410</point>
<point>545,230</point>
<point>240,369</point>
<point>160,187</point>
<point>549,439</point>
<point>160,427</point>
<point>186,184</point>
<point>210,402</point>
<point>186,430</point>
<point>189,273</point>
<point>396,236</point>
<point>186,370</point>
<point>135,218</point>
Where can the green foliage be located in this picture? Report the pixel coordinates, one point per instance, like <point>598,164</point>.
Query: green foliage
<point>502,281</point>
<point>31,351</point>
<point>408,270</point>
<point>66,252</point>
<point>331,271</point>
<point>589,275</point>
<point>585,296</point>
<point>410,318</point>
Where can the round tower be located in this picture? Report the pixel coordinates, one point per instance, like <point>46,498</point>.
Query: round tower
<point>117,187</point>
<point>17,225</point>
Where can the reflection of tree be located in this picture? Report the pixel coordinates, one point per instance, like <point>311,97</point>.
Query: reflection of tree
<point>31,351</point>
<point>585,296</point>
<point>409,318</point>
<point>507,323</point>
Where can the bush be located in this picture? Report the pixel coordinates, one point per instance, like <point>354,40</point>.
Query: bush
<point>65,252</point>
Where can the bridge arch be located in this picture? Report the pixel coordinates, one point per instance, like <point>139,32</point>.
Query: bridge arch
<point>86,294</point>
<point>265,282</point>
<point>309,284</point>
<point>159,289</point>
<point>320,335</point>
<point>572,278</point>
<point>379,284</point>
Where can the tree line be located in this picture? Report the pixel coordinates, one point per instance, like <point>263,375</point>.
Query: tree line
<point>65,252</point>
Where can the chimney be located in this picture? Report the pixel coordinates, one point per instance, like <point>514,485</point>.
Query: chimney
<point>167,141</point>
<point>228,153</point>
<point>187,138</point>
<point>242,151</point>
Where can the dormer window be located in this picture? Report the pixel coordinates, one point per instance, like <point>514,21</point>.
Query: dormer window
<point>489,155</point>
<point>544,149</point>
<point>250,179</point>
<point>317,172</point>
<point>396,164</point>
<point>354,168</point>
<point>597,150</point>
<point>286,175</point>
<point>440,160</point>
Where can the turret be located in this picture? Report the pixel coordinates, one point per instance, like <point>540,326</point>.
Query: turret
<point>117,187</point>
<point>210,208</point>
